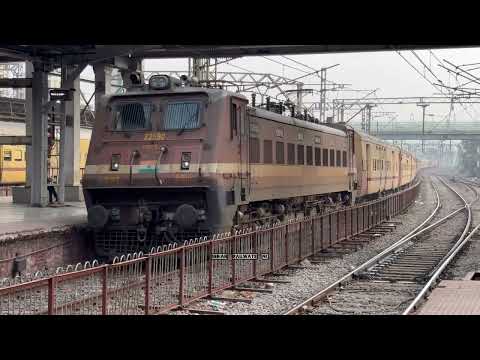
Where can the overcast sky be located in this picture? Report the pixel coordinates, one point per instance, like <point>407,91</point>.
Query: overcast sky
<point>387,71</point>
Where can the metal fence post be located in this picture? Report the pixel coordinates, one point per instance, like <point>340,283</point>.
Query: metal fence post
<point>255,251</point>
<point>313,235</point>
<point>338,227</point>
<point>232,252</point>
<point>330,228</point>
<point>105,290</point>
<point>358,222</point>
<point>272,253</point>
<point>321,232</point>
<point>210,267</point>
<point>182,272</point>
<point>286,244</point>
<point>51,296</point>
<point>147,284</point>
<point>300,241</point>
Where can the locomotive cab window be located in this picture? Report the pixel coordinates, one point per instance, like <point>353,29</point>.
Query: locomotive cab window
<point>132,116</point>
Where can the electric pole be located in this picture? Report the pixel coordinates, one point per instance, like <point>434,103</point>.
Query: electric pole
<point>423,106</point>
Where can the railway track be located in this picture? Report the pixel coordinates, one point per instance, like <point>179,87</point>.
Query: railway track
<point>396,280</point>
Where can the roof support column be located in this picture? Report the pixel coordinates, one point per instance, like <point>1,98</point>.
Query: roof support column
<point>38,179</point>
<point>28,123</point>
<point>69,184</point>
<point>103,79</point>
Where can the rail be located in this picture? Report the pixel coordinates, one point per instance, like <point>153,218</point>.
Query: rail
<point>173,277</point>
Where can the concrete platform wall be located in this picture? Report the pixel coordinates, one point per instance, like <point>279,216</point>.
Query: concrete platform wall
<point>40,250</point>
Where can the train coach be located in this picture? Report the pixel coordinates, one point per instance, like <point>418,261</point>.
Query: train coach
<point>170,160</point>
<point>13,160</point>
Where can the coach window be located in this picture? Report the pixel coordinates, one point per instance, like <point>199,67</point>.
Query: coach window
<point>300,155</point>
<point>325,157</point>
<point>309,155</point>
<point>17,155</point>
<point>339,158</point>
<point>7,155</point>
<point>332,157</point>
<point>318,160</point>
<point>291,154</point>
<point>280,153</point>
<point>267,152</point>
<point>344,158</point>
<point>254,150</point>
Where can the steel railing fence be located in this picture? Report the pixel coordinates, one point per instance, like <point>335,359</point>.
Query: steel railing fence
<point>173,276</point>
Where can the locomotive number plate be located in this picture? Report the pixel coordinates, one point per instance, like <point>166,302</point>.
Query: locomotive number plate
<point>151,136</point>
<point>111,179</point>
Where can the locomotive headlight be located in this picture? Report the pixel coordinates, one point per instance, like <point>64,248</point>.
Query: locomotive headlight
<point>159,82</point>
<point>185,161</point>
<point>115,164</point>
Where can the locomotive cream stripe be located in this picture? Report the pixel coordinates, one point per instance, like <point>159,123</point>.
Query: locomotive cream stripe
<point>221,168</point>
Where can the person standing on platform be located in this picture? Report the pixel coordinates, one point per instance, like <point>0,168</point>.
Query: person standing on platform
<point>51,191</point>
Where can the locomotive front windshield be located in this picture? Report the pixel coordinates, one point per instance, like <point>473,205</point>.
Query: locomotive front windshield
<point>172,115</point>
<point>181,116</point>
<point>132,116</point>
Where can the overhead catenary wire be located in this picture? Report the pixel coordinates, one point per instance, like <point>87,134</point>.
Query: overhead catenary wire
<point>307,66</point>
<point>426,67</point>
<point>435,86</point>
<point>286,65</point>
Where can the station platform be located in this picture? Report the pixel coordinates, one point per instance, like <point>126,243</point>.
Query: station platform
<point>19,218</point>
<point>453,297</point>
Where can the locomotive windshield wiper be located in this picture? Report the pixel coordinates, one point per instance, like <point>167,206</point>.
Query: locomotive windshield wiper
<point>186,124</point>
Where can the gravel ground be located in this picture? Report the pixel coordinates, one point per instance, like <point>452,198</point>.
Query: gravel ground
<point>370,298</point>
<point>306,282</point>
